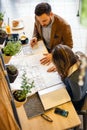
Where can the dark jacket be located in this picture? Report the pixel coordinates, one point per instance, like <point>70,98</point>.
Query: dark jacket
<point>60,33</point>
<point>76,92</point>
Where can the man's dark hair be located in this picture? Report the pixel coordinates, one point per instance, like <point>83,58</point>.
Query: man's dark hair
<point>42,8</point>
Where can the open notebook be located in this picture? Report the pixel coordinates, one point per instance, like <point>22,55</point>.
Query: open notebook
<point>54,96</point>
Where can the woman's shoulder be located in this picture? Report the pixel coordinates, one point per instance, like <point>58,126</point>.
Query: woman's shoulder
<point>74,68</point>
<point>80,54</point>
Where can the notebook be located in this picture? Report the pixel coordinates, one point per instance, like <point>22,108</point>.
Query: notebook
<point>54,96</point>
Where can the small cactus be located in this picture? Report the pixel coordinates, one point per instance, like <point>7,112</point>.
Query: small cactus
<point>11,69</point>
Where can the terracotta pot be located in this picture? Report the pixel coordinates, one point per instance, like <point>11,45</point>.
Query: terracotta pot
<point>6,59</point>
<point>19,104</point>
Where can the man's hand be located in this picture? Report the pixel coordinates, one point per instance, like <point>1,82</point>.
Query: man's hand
<point>52,69</point>
<point>33,41</point>
<point>47,59</point>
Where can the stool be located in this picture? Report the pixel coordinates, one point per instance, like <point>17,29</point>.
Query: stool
<point>83,112</point>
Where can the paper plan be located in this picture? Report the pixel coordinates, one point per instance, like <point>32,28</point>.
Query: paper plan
<point>35,71</point>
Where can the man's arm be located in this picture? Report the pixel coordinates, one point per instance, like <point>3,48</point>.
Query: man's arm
<point>37,30</point>
<point>36,33</point>
<point>36,37</point>
<point>67,36</point>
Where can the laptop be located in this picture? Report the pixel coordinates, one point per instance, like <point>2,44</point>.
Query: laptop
<point>54,96</point>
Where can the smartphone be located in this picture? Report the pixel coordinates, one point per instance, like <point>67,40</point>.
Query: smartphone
<point>61,112</point>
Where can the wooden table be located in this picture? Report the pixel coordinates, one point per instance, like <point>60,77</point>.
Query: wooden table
<point>59,122</point>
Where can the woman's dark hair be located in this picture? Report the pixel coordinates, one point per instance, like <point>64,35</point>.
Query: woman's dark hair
<point>42,8</point>
<point>63,58</point>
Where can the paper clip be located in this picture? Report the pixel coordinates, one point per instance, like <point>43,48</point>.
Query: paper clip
<point>46,117</point>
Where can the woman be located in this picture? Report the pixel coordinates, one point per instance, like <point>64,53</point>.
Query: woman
<point>73,71</point>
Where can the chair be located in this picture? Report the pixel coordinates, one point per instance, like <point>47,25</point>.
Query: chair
<point>83,112</point>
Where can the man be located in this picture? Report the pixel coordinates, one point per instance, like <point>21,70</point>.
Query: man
<point>50,28</point>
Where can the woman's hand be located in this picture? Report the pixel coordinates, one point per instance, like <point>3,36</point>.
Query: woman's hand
<point>52,69</point>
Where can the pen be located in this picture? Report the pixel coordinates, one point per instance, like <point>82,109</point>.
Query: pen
<point>46,117</point>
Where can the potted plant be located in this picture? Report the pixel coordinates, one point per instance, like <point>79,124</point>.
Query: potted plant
<point>1,18</point>
<point>12,48</point>
<point>3,36</point>
<point>20,96</point>
<point>12,72</point>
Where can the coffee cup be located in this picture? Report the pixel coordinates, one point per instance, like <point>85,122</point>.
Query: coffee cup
<point>24,40</point>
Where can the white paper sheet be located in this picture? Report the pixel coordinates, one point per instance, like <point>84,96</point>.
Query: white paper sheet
<point>35,71</point>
